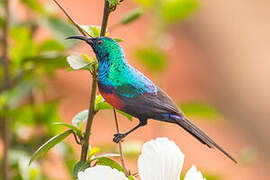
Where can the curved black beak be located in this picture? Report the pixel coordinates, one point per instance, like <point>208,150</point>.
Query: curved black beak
<point>86,39</point>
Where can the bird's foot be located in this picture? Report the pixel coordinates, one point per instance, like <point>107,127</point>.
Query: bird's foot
<point>118,137</point>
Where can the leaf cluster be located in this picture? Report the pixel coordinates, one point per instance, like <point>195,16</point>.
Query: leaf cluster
<point>167,14</point>
<point>24,102</point>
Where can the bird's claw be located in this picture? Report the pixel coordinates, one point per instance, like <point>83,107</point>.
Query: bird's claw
<point>118,137</point>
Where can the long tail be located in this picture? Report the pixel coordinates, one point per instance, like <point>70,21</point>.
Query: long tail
<point>199,134</point>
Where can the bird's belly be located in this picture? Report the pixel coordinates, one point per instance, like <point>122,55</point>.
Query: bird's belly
<point>111,97</point>
<point>113,100</point>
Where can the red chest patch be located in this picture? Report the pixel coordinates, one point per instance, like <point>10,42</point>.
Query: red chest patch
<point>113,100</point>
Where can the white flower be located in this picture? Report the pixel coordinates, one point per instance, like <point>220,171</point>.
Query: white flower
<point>194,174</point>
<point>161,159</point>
<point>101,173</point>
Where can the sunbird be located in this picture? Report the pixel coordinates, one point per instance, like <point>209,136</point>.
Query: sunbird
<point>127,89</point>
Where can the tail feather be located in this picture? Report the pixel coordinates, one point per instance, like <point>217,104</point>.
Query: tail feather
<point>199,134</point>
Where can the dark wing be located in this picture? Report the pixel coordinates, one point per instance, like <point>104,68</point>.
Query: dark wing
<point>156,105</point>
<point>147,105</point>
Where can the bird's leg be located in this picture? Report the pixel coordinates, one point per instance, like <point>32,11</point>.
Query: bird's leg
<point>119,136</point>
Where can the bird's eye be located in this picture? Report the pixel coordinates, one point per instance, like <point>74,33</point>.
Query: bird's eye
<point>100,42</point>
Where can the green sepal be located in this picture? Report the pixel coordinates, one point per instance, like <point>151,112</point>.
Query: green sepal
<point>79,166</point>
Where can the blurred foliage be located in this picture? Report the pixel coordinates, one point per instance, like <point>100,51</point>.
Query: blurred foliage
<point>24,103</point>
<point>201,110</point>
<point>247,155</point>
<point>152,57</point>
<point>131,148</point>
<point>132,15</point>
<point>167,13</point>
<point>170,11</point>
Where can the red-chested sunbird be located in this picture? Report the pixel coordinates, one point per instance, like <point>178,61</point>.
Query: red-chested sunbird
<point>128,90</point>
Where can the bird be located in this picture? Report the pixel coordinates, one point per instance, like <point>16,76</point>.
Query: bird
<point>127,89</point>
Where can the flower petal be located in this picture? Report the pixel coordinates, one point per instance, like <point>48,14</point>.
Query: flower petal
<point>101,173</point>
<point>161,159</point>
<point>194,174</point>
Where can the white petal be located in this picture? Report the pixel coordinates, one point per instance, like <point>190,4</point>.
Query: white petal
<point>161,159</point>
<point>101,173</point>
<point>194,174</point>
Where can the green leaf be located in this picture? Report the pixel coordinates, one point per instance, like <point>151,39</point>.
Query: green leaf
<point>77,130</point>
<point>80,118</point>
<point>92,30</point>
<point>152,57</point>
<point>49,144</point>
<point>22,45</point>
<point>93,152</point>
<point>60,29</point>
<point>113,2</point>
<point>129,117</point>
<point>101,104</point>
<point>200,109</point>
<point>175,10</point>
<point>132,148</point>
<point>105,155</point>
<point>131,177</point>
<point>50,45</point>
<point>132,16</point>
<point>145,3</point>
<point>118,40</point>
<point>87,58</point>
<point>109,162</point>
<point>77,62</point>
<point>79,166</point>
<point>34,4</point>
<point>211,177</point>
<point>1,21</point>
<point>46,62</point>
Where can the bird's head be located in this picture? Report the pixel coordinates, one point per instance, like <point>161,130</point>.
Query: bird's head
<point>102,46</point>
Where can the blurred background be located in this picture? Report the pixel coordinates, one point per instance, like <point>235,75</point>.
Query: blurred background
<point>211,57</point>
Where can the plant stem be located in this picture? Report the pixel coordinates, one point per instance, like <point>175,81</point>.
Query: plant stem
<point>105,19</point>
<point>85,141</point>
<point>5,122</point>
<point>122,157</point>
<point>91,114</point>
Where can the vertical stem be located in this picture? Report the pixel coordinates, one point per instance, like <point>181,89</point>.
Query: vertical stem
<point>85,142</point>
<point>91,114</point>
<point>105,19</point>
<point>5,122</point>
<point>5,44</point>
<point>122,157</point>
